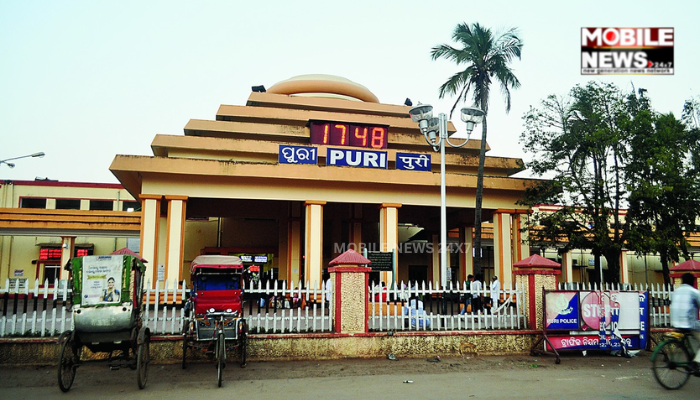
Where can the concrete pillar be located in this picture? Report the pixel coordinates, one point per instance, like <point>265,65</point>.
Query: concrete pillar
<point>389,235</point>
<point>534,280</point>
<point>314,243</point>
<point>150,221</point>
<point>350,282</point>
<point>567,265</point>
<point>502,245</point>
<point>521,248</point>
<point>174,247</point>
<point>67,251</point>
<point>624,267</point>
<point>466,256</point>
<point>293,244</point>
<point>355,227</point>
<point>436,261</point>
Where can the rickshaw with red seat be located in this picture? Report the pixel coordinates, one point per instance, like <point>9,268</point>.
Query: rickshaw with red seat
<point>215,323</point>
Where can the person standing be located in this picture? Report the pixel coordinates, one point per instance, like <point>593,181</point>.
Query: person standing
<point>468,295</point>
<point>328,290</point>
<point>685,303</point>
<point>477,295</point>
<point>495,293</point>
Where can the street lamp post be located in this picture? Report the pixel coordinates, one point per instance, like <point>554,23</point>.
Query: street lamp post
<point>12,165</point>
<point>435,132</point>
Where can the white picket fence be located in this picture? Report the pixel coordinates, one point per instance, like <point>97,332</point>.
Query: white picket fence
<point>45,310</point>
<point>440,309</point>
<point>287,309</point>
<point>659,298</point>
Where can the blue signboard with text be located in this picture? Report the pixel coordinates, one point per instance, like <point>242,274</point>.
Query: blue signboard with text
<point>413,162</point>
<point>357,158</point>
<point>297,155</point>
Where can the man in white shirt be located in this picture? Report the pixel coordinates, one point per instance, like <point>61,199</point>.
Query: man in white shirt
<point>329,290</point>
<point>477,295</point>
<point>495,292</point>
<point>685,302</point>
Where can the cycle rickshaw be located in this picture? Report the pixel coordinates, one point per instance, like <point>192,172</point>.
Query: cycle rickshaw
<point>215,324</point>
<point>106,302</point>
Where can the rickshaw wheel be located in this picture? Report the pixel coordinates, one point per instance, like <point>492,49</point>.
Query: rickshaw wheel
<point>142,360</point>
<point>184,351</point>
<point>243,345</point>
<point>220,357</point>
<point>68,361</point>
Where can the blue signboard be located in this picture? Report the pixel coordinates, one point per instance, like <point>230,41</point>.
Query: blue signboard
<point>413,162</point>
<point>356,158</point>
<point>297,155</point>
<point>562,310</point>
<point>643,319</point>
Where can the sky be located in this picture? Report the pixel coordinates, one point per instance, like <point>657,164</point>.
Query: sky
<point>84,81</point>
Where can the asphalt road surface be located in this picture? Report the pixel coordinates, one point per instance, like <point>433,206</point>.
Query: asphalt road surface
<point>597,376</point>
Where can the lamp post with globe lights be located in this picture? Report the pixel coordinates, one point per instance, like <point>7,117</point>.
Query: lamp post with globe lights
<point>435,133</point>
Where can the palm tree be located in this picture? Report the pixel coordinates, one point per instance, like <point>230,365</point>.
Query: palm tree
<point>486,57</point>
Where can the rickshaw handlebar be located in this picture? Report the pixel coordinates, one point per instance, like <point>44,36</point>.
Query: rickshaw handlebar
<point>224,314</point>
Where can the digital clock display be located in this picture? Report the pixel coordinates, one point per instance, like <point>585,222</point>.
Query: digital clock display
<point>355,135</point>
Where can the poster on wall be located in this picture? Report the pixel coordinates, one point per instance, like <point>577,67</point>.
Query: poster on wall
<point>102,280</point>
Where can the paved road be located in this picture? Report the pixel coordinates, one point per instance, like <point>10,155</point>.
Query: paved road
<point>497,377</point>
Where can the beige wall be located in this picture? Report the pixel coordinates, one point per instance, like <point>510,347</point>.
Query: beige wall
<point>18,253</point>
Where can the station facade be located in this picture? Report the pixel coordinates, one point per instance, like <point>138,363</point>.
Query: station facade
<point>276,183</point>
<point>311,167</point>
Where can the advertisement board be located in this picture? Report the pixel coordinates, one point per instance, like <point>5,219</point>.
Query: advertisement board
<point>102,280</point>
<point>600,320</point>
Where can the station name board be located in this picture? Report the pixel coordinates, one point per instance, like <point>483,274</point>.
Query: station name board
<point>342,157</point>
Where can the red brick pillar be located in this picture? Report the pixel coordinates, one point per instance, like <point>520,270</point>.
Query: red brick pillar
<point>690,266</point>
<point>350,284</point>
<point>534,274</point>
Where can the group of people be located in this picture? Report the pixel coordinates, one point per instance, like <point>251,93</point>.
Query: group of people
<point>480,299</point>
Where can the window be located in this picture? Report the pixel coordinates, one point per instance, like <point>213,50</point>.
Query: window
<point>32,203</point>
<point>18,283</point>
<point>49,262</point>
<point>102,205</point>
<point>52,273</point>
<point>67,204</point>
<point>131,206</point>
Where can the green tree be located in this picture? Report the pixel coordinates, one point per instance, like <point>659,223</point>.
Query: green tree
<point>578,141</point>
<point>662,182</point>
<point>487,56</point>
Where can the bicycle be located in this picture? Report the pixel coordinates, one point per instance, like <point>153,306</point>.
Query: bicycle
<point>671,359</point>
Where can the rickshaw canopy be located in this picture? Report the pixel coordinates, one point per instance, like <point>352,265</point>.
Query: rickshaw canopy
<point>217,262</point>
